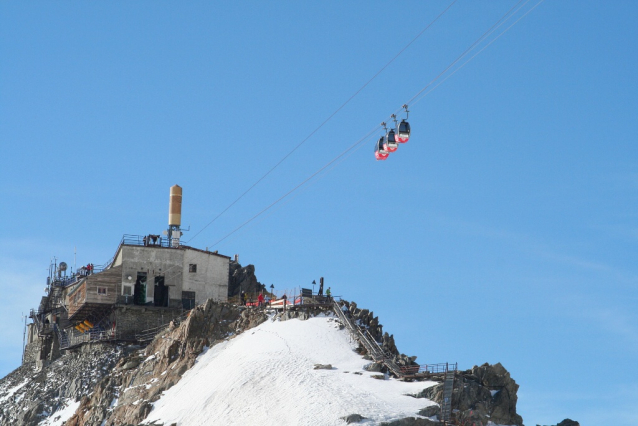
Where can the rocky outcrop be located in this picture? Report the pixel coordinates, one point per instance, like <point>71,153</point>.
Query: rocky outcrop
<point>353,418</point>
<point>412,421</point>
<point>243,279</point>
<point>117,385</point>
<point>366,319</point>
<point>482,394</point>
<point>568,422</point>
<point>126,396</point>
<point>29,395</point>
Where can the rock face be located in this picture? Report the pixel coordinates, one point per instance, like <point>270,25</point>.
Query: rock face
<point>412,421</point>
<point>117,384</point>
<point>126,396</point>
<point>482,394</point>
<point>29,395</point>
<point>243,279</point>
<point>568,422</point>
<point>366,319</point>
<point>353,418</point>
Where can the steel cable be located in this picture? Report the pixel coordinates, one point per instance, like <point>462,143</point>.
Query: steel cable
<point>324,122</point>
<point>486,34</point>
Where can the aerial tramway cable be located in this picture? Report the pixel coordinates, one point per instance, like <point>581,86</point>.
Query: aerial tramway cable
<point>325,121</point>
<point>383,155</point>
<point>417,99</point>
<point>358,143</point>
<point>354,145</point>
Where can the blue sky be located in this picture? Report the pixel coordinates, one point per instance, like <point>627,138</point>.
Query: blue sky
<point>504,231</point>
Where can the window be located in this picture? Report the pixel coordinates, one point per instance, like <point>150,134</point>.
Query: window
<point>192,267</point>
<point>188,299</point>
<point>101,291</point>
<point>127,290</point>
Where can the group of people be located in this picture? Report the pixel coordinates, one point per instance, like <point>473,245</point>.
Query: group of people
<point>85,270</point>
<point>264,300</point>
<point>261,299</point>
<point>152,240</point>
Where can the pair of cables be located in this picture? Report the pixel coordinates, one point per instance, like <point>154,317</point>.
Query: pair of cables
<point>418,96</point>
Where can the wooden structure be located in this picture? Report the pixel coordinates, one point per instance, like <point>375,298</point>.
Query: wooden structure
<point>94,295</point>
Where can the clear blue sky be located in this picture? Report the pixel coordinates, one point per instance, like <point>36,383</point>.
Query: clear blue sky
<point>504,231</point>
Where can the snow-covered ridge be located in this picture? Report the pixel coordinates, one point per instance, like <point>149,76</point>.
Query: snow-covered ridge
<point>229,365</point>
<point>266,376</point>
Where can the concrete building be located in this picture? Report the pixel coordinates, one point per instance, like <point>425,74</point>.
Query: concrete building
<point>150,281</point>
<point>179,277</point>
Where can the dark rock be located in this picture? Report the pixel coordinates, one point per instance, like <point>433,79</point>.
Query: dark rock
<point>378,376</point>
<point>353,418</point>
<point>412,421</point>
<point>375,367</point>
<point>431,411</point>
<point>481,394</point>
<point>243,279</point>
<point>568,422</point>
<point>323,367</point>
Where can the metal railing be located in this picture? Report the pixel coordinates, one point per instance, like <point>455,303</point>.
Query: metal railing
<point>73,337</point>
<point>365,338</point>
<point>439,368</point>
<point>133,240</point>
<point>42,327</point>
<point>149,334</point>
<point>65,281</point>
<point>145,240</point>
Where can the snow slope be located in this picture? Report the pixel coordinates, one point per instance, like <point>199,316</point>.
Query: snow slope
<point>265,376</point>
<point>59,417</point>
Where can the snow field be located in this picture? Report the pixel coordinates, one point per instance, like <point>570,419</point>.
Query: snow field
<point>265,376</point>
<point>62,415</point>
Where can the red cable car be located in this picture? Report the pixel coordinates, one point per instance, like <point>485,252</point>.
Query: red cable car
<point>379,152</point>
<point>403,131</point>
<point>390,142</point>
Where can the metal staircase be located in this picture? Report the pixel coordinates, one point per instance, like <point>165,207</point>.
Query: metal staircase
<point>446,401</point>
<point>364,337</point>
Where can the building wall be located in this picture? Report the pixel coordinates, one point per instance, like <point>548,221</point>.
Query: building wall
<point>32,333</point>
<point>130,320</point>
<point>118,259</point>
<point>76,298</point>
<point>211,278</point>
<point>209,281</point>
<point>108,281</point>
<point>155,261</point>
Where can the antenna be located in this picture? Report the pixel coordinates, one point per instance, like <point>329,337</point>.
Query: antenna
<point>24,335</point>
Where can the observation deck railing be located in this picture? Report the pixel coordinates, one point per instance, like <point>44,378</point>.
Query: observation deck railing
<point>440,368</point>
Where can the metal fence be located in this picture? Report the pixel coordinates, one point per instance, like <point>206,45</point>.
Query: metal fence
<point>145,240</point>
<point>73,337</point>
<point>439,368</point>
<point>149,334</point>
<point>364,337</point>
<point>42,327</point>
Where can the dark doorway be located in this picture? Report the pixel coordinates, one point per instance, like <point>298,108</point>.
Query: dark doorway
<point>161,293</point>
<point>139,292</point>
<point>188,300</point>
